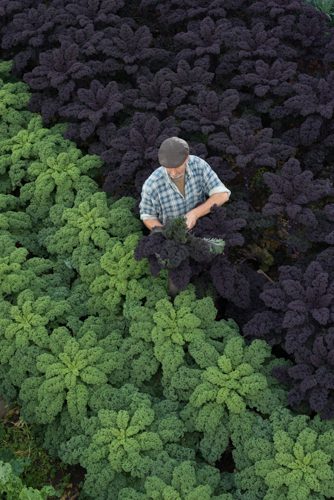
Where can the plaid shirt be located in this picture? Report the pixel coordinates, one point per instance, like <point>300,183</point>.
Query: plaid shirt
<point>161,199</point>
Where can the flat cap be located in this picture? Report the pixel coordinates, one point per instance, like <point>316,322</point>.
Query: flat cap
<point>172,152</point>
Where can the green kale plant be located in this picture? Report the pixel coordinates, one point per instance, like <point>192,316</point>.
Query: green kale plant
<point>119,270</point>
<point>187,482</point>
<point>288,456</point>
<point>70,372</point>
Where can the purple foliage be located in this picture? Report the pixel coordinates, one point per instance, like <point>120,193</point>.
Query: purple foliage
<point>300,303</point>
<point>218,225</point>
<point>230,282</point>
<point>157,92</point>
<point>248,145</point>
<point>176,249</point>
<point>59,69</point>
<point>203,37</point>
<point>100,12</point>
<point>314,96</point>
<point>94,106</point>
<point>211,112</point>
<point>312,377</point>
<point>268,78</point>
<point>292,189</point>
<point>324,232</point>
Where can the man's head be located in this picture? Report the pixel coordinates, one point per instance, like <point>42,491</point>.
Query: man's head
<point>173,154</point>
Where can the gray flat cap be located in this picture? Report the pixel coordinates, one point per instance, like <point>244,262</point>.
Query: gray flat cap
<point>172,152</point>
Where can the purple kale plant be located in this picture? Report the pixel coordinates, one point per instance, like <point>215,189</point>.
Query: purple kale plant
<point>247,145</point>
<point>293,189</point>
<point>94,106</point>
<point>59,69</point>
<point>203,37</point>
<point>314,96</point>
<point>311,379</point>
<point>173,247</point>
<point>212,111</point>
<point>324,231</point>
<point>297,305</point>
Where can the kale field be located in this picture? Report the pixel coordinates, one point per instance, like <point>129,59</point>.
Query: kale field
<point>226,390</point>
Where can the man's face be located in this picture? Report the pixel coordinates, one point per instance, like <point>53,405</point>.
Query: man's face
<point>177,172</point>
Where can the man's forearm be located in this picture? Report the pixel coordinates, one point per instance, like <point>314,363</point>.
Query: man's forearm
<point>151,223</point>
<point>215,199</point>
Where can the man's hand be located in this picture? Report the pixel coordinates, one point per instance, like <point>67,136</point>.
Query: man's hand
<point>191,219</point>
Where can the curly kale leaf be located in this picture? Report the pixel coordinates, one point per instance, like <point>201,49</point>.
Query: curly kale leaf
<point>286,456</point>
<point>187,482</point>
<point>311,378</point>
<point>120,270</point>
<point>176,327</point>
<point>72,369</point>
<point>300,302</point>
<point>87,222</point>
<point>293,189</point>
<point>27,321</point>
<point>236,380</point>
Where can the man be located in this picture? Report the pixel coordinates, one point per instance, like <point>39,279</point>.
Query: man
<point>180,186</point>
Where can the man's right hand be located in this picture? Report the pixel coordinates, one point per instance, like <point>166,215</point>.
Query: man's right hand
<point>156,229</point>
<point>151,223</point>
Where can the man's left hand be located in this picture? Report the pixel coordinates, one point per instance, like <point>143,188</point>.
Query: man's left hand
<point>191,219</point>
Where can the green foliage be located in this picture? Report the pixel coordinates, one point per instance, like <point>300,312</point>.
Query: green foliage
<point>119,270</point>
<point>235,381</point>
<point>13,101</point>
<point>287,456</point>
<point>90,221</point>
<point>87,222</point>
<point>71,371</point>
<point>12,486</point>
<point>25,145</point>
<point>55,177</point>
<point>122,221</point>
<point>187,482</point>
<point>125,438</point>
<point>19,270</point>
<point>26,321</point>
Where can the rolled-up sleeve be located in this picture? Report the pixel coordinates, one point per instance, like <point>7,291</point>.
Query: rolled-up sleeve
<point>212,183</point>
<point>147,206</point>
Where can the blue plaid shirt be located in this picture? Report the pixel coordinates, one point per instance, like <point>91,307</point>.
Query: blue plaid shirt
<point>161,199</point>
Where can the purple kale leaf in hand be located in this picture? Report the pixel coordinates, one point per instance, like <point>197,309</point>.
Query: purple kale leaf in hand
<point>218,224</point>
<point>176,249</point>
